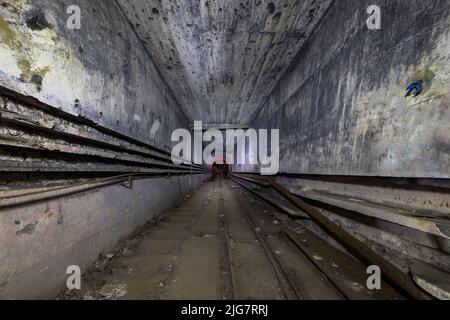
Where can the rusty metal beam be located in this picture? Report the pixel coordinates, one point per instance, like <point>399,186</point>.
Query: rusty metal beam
<point>23,196</point>
<point>38,137</point>
<point>391,274</point>
<point>396,216</point>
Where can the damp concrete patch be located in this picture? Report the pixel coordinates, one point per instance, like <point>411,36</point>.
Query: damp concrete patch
<point>36,20</point>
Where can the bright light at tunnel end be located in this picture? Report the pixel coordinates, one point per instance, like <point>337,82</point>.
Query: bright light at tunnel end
<point>237,147</point>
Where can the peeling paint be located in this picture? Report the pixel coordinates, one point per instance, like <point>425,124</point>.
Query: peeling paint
<point>28,229</point>
<point>57,66</point>
<point>36,20</point>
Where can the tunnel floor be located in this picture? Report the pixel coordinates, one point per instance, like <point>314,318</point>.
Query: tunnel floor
<point>224,243</point>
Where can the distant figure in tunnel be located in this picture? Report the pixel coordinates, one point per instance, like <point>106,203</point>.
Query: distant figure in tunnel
<point>220,170</point>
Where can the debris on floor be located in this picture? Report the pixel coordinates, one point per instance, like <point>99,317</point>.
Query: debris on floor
<point>113,291</point>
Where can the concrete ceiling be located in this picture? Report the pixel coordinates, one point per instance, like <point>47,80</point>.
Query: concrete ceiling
<point>222,58</point>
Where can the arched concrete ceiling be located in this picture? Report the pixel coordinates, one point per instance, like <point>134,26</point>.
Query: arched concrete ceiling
<point>222,58</point>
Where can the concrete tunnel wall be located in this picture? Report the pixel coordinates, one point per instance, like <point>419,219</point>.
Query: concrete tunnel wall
<point>103,73</point>
<point>74,230</point>
<point>341,108</point>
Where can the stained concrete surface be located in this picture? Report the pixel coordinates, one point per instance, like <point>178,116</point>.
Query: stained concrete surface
<point>180,257</point>
<point>101,72</point>
<point>222,58</point>
<point>157,64</point>
<point>40,240</point>
<point>185,256</point>
<point>309,68</point>
<point>341,106</point>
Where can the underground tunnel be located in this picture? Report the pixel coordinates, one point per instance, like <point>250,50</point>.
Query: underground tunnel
<point>224,150</point>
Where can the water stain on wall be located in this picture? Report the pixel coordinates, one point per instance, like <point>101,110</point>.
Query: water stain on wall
<point>8,36</point>
<point>29,72</point>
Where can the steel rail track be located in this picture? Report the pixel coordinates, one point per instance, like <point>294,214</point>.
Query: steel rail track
<point>393,276</point>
